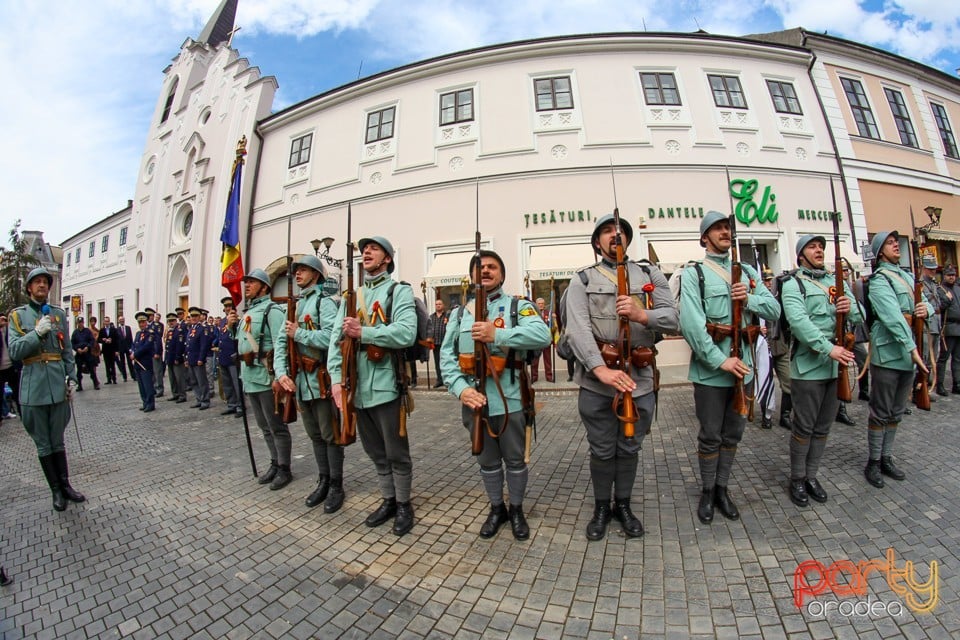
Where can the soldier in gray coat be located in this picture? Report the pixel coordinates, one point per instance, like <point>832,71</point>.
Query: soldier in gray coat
<point>950,344</point>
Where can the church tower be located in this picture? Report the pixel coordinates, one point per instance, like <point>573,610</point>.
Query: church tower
<point>209,99</point>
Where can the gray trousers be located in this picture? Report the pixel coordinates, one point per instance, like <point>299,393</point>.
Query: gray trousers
<point>781,365</point>
<point>158,368</point>
<point>614,459</point>
<point>952,353</point>
<point>888,400</point>
<point>172,379</point>
<point>318,416</point>
<point>201,389</point>
<point>931,353</point>
<point>508,448</point>
<point>184,381</point>
<point>379,430</point>
<point>275,433</point>
<point>211,366</point>
<point>815,405</point>
<point>720,432</point>
<point>231,385</point>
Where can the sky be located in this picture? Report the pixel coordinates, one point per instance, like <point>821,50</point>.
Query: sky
<point>83,78</point>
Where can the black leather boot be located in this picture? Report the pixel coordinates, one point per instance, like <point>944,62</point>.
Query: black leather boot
<point>632,527</point>
<point>597,527</point>
<point>842,416</point>
<point>404,520</point>
<point>49,467</point>
<point>722,501</point>
<point>798,493</point>
<point>320,493</point>
<point>705,509</point>
<point>955,388</point>
<point>872,473</point>
<point>271,473</point>
<point>60,458</point>
<point>335,498</point>
<point>941,390</point>
<point>283,477</point>
<point>386,510</point>
<point>786,406</point>
<point>814,490</point>
<point>766,423</point>
<point>518,523</point>
<point>495,519</point>
<point>4,578</point>
<point>887,468</point>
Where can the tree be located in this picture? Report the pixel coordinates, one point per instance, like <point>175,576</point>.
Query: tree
<point>15,264</point>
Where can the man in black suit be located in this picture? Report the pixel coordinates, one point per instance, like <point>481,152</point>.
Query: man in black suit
<point>109,339</point>
<point>125,342</point>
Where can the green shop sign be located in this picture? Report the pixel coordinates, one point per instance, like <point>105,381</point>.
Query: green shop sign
<point>746,209</point>
<point>555,217</point>
<point>810,214</point>
<point>674,212</point>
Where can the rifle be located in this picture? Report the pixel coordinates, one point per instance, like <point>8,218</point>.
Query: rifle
<point>288,412</point>
<point>623,406</point>
<point>921,392</point>
<point>741,403</point>
<point>840,334</point>
<point>481,416</point>
<point>346,430</point>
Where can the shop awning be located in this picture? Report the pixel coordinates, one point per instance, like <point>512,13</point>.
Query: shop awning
<point>560,261</point>
<point>670,255</point>
<point>943,234</point>
<point>448,269</point>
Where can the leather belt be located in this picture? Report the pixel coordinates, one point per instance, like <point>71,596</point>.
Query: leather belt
<point>43,357</point>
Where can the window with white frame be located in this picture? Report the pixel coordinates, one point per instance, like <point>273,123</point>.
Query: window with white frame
<point>860,108</point>
<point>123,236</point>
<point>727,91</point>
<point>946,132</point>
<point>553,94</point>
<point>76,259</point>
<point>901,116</point>
<point>300,150</point>
<point>93,247</point>
<point>104,243</point>
<point>456,106</point>
<point>660,89</point>
<point>784,97</point>
<point>380,124</point>
<point>69,255</point>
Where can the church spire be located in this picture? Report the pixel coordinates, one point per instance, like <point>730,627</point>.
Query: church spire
<point>220,24</point>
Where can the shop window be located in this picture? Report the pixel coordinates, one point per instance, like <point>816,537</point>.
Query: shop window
<point>946,132</point>
<point>380,124</point>
<point>456,106</point>
<point>660,89</point>
<point>860,107</point>
<point>784,97</point>
<point>902,117</point>
<point>553,94</point>
<point>727,91</point>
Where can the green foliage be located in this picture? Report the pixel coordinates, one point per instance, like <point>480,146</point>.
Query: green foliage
<point>15,263</point>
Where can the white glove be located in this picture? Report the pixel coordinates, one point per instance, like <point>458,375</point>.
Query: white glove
<point>43,326</point>
<point>71,390</point>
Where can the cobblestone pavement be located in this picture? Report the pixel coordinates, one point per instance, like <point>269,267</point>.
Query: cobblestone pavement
<point>178,540</point>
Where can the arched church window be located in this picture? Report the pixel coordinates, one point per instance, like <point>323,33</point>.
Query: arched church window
<point>168,105</point>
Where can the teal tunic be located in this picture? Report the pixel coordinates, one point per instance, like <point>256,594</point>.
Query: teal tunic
<point>812,319</point>
<point>378,382</point>
<point>891,338</point>
<point>310,342</point>
<point>266,323</point>
<point>41,383</point>
<point>715,307</point>
<point>529,334</point>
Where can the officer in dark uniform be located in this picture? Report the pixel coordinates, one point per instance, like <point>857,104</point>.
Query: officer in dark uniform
<point>198,350</point>
<point>180,369</point>
<point>227,361</point>
<point>142,357</point>
<point>155,329</point>
<point>170,337</point>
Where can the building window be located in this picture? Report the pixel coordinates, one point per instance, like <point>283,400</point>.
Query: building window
<point>456,106</point>
<point>93,246</point>
<point>104,242</point>
<point>76,258</point>
<point>862,115</point>
<point>168,105</point>
<point>69,255</point>
<point>946,133</point>
<point>123,236</point>
<point>902,117</point>
<point>660,89</point>
<point>300,150</point>
<point>784,97</point>
<point>553,93</point>
<point>727,92</point>
<point>380,124</point>
<point>118,310</point>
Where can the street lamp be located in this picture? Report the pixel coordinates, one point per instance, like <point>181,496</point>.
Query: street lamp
<point>324,255</point>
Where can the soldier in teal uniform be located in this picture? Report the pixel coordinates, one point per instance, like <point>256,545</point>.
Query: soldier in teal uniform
<point>811,309</point>
<point>713,371</point>
<point>511,329</point>
<point>893,354</point>
<point>256,332</point>
<point>141,358</point>
<point>47,381</point>
<point>316,314</point>
<point>592,311</point>
<point>387,322</point>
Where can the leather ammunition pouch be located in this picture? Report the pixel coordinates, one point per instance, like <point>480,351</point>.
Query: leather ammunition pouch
<point>375,353</point>
<point>909,318</point>
<point>640,357</point>
<point>313,365</point>
<point>308,364</point>
<point>248,358</point>
<point>266,358</point>
<point>720,332</point>
<point>468,364</point>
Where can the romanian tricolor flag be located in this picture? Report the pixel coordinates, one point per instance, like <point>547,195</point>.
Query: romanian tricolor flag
<point>231,263</point>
